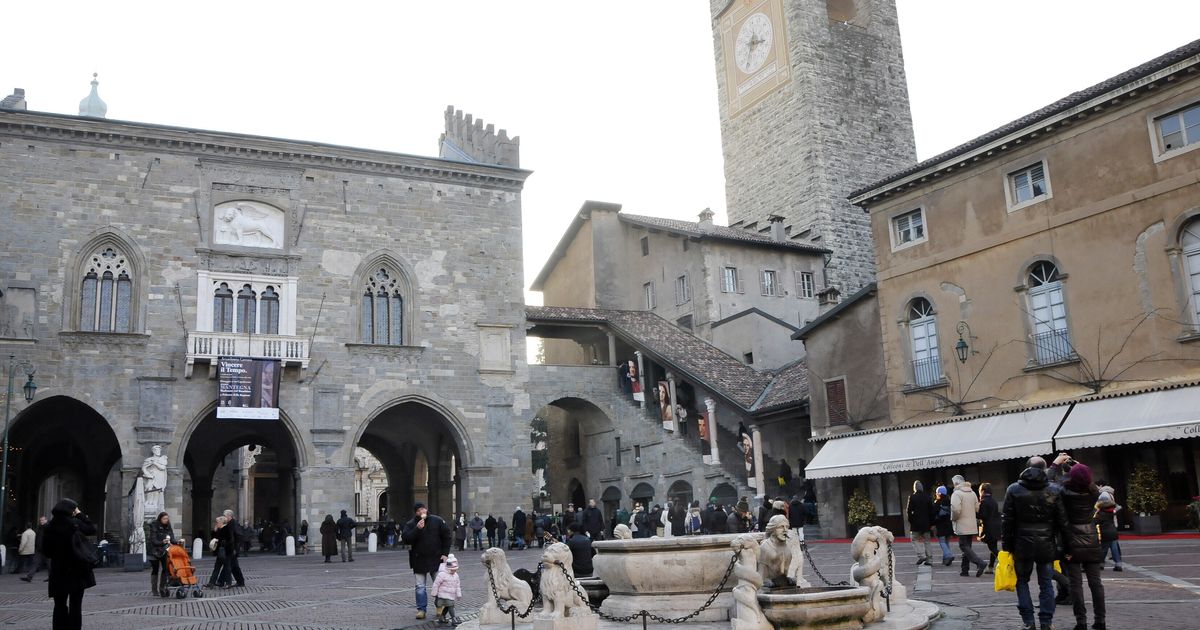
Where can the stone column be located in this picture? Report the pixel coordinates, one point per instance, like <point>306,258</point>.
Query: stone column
<point>612,350</point>
<point>672,424</point>
<point>712,430</point>
<point>202,516</point>
<point>641,376</point>
<point>759,477</point>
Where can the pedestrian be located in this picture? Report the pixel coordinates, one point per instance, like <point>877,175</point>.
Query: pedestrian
<point>1079,498</point>
<point>664,520</point>
<point>489,525</point>
<point>738,521</point>
<point>162,536</point>
<point>476,532</point>
<point>460,531</point>
<point>447,589</point>
<point>920,512</point>
<point>678,518</point>
<point>219,545</point>
<point>428,538</point>
<point>989,523</point>
<point>345,537</point>
<point>964,511</point>
<point>70,575</point>
<point>26,548</point>
<point>518,527</point>
<point>720,520</point>
<point>502,533</point>
<point>302,537</point>
<point>581,550</point>
<point>637,521</point>
<point>329,540</point>
<point>528,538</point>
<point>390,532</point>
<point>593,521</point>
<point>942,525</point>
<point>539,529</point>
<point>694,522</point>
<point>39,555</point>
<point>1106,514</point>
<point>796,515</point>
<point>1033,519</point>
<point>236,536</point>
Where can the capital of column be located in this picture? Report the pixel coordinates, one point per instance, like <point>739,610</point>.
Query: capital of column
<point>711,405</point>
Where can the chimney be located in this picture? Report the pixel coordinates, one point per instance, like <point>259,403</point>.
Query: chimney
<point>828,298</point>
<point>778,234</point>
<point>15,101</point>
<point>706,217</point>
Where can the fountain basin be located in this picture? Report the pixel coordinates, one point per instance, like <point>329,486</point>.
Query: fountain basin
<point>826,607</point>
<point>671,577</point>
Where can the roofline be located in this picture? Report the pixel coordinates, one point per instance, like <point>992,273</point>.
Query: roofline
<point>707,236</point>
<point>756,311</point>
<point>560,250</point>
<point>983,147</point>
<point>170,138</point>
<point>835,312</point>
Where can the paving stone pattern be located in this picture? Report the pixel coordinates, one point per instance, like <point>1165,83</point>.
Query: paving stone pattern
<point>376,592</point>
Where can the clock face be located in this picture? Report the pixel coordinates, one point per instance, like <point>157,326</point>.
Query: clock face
<point>753,44</point>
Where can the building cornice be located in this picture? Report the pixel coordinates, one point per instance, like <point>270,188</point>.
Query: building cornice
<point>280,152</point>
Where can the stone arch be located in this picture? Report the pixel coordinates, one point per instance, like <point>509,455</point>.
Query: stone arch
<point>1177,225</point>
<point>407,283</point>
<point>724,493</point>
<point>453,420</point>
<point>681,490</point>
<point>178,448</point>
<point>1022,282</point>
<point>576,432</point>
<point>642,493</point>
<point>106,236</point>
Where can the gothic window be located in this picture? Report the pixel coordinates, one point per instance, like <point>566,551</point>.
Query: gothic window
<point>246,307</point>
<point>922,326</point>
<point>223,309</point>
<point>1048,314</point>
<point>106,293</point>
<point>269,312</point>
<point>382,310</point>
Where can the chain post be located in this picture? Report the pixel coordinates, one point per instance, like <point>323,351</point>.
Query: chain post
<point>644,613</point>
<point>512,613</point>
<point>887,588</point>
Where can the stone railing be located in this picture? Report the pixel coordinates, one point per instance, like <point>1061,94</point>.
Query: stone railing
<point>205,347</point>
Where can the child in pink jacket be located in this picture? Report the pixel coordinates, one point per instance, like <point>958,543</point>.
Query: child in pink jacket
<point>446,590</point>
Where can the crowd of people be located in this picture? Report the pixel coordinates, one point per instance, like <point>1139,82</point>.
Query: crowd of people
<point>1053,513</point>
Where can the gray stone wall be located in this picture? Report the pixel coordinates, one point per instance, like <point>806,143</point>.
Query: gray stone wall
<point>455,227</point>
<point>841,122</point>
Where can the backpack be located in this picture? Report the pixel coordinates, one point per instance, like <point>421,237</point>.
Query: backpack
<point>696,525</point>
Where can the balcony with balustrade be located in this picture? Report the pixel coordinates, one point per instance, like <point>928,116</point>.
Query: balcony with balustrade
<point>205,347</point>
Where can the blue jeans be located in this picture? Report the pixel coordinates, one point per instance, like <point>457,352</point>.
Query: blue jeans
<point>1115,547</point>
<point>477,538</point>
<point>1045,573</point>
<point>944,543</point>
<point>423,581</point>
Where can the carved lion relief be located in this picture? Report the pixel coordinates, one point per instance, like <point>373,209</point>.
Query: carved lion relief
<point>248,224</point>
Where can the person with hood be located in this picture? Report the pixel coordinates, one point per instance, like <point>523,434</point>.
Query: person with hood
<point>989,523</point>
<point>447,590</point>
<point>942,527</point>
<point>70,576</point>
<point>1082,542</point>
<point>476,525</point>
<point>162,536</point>
<point>1106,516</point>
<point>1033,519</point>
<point>964,511</point>
<point>518,527</point>
<point>329,540</point>
<point>593,520</point>
<point>490,525</point>
<point>428,538</point>
<point>920,521</point>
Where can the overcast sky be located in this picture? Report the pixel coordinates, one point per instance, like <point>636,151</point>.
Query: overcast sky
<point>613,101</point>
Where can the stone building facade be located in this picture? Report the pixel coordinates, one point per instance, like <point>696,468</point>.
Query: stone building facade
<point>813,105</point>
<point>388,287</point>
<point>1037,292</point>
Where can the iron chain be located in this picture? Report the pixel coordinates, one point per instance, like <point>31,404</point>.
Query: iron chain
<point>811,563</point>
<point>510,609</point>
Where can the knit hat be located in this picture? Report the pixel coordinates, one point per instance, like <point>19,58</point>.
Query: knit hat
<point>743,505</point>
<point>941,490</point>
<point>778,505</point>
<point>957,479</point>
<point>451,562</point>
<point>418,505</point>
<point>1080,477</point>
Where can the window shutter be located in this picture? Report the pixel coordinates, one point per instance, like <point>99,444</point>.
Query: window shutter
<point>835,402</point>
<point>741,286</point>
<point>762,282</point>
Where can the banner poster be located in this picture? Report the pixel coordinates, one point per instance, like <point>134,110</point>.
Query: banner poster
<point>746,445</point>
<point>636,379</point>
<point>705,447</point>
<point>666,410</point>
<point>248,388</point>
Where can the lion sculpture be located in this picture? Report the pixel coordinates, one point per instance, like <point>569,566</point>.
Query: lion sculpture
<point>560,599</point>
<point>509,588</point>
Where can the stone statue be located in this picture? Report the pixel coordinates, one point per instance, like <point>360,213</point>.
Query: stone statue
<point>622,532</point>
<point>135,519</point>
<point>562,607</point>
<point>154,482</point>
<point>511,590</point>
<point>871,570</point>
<point>780,558</point>
<point>747,615</point>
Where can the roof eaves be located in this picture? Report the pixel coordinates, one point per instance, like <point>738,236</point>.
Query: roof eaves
<point>834,312</point>
<point>754,310</point>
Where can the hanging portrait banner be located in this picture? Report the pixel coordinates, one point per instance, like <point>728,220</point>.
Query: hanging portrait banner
<point>746,445</point>
<point>248,388</point>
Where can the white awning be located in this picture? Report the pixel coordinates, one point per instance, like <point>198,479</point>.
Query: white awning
<point>1164,415</point>
<point>1003,436</point>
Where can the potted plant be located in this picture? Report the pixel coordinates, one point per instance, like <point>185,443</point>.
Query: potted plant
<point>1194,513</point>
<point>1146,500</point>
<point>860,510</point>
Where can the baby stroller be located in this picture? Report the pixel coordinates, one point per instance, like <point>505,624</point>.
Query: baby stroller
<point>182,573</point>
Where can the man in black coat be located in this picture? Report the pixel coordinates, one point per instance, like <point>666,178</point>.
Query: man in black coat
<point>238,534</point>
<point>581,551</point>
<point>345,534</point>
<point>1033,522</point>
<point>920,521</point>
<point>593,520</point>
<point>490,526</point>
<point>429,539</point>
<point>518,527</point>
<point>796,515</point>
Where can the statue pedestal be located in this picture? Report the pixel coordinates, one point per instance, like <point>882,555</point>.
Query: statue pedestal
<point>574,622</point>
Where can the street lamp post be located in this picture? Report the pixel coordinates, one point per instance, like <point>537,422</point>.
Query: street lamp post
<point>30,389</point>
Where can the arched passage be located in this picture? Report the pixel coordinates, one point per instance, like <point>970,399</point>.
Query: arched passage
<point>421,451</point>
<point>680,491</point>
<point>62,448</point>
<point>610,500</point>
<point>577,437</point>
<point>248,466</point>
<point>643,493</point>
<point>723,494</point>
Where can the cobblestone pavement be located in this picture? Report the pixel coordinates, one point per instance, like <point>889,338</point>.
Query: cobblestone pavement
<point>1160,588</point>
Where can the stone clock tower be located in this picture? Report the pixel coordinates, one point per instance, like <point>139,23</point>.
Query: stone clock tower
<point>813,105</point>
